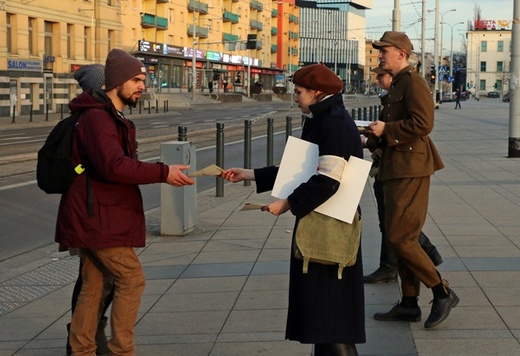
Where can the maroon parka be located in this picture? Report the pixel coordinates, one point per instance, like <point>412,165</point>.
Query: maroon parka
<point>105,144</point>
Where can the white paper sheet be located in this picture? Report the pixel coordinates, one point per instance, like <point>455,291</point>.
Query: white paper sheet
<point>300,162</point>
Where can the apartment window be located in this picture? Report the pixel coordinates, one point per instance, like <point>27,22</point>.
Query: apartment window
<point>111,35</point>
<point>170,39</point>
<point>500,66</point>
<point>498,84</point>
<point>86,39</point>
<point>9,33</point>
<point>500,46</point>
<point>482,66</point>
<point>30,38</point>
<point>171,16</point>
<point>483,46</point>
<point>482,84</point>
<point>47,43</point>
<point>69,40</point>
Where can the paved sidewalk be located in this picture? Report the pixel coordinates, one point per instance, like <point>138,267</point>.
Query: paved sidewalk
<point>222,290</point>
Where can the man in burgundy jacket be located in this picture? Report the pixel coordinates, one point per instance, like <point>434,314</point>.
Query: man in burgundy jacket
<point>102,212</point>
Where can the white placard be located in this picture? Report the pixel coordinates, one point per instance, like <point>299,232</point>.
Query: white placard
<point>300,162</point>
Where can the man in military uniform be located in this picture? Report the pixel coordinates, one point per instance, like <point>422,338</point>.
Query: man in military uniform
<point>408,160</point>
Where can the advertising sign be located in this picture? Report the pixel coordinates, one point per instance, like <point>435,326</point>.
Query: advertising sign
<point>27,65</point>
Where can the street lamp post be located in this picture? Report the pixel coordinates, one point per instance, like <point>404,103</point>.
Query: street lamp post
<point>451,54</point>
<point>440,52</point>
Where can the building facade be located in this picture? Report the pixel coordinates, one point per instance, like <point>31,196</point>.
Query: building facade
<point>185,45</point>
<point>488,57</point>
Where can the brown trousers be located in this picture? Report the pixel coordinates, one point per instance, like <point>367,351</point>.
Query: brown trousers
<point>406,206</point>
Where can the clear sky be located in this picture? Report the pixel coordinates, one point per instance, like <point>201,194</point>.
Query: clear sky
<point>379,19</point>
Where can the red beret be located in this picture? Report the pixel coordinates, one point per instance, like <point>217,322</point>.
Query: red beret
<point>318,77</point>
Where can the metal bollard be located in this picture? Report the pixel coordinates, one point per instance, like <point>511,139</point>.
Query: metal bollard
<point>358,117</point>
<point>270,141</point>
<point>353,114</point>
<point>376,113</point>
<point>167,106</point>
<point>288,127</point>
<point>61,112</point>
<point>220,158</point>
<point>47,113</point>
<point>130,110</point>
<point>149,106</point>
<point>30,114</point>
<point>14,109</point>
<point>247,149</point>
<point>156,106</point>
<point>365,113</point>
<point>164,106</point>
<point>370,113</point>
<point>140,106</point>
<point>182,133</point>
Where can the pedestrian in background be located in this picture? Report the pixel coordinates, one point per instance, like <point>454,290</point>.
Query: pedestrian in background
<point>457,100</point>
<point>102,211</point>
<point>323,310</point>
<point>387,270</point>
<point>408,159</point>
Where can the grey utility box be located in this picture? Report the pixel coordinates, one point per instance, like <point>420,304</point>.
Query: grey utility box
<point>178,204</point>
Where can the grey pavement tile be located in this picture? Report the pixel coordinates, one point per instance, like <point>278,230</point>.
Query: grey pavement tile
<point>467,347</point>
<point>480,240</point>
<point>271,267</point>
<point>231,256</point>
<point>477,228</point>
<point>157,286</point>
<point>10,347</point>
<point>384,340</point>
<point>265,299</point>
<point>188,302</point>
<point>218,270</point>
<point>39,352</point>
<point>510,315</point>
<point>23,328</point>
<point>251,336</point>
<point>174,349</point>
<point>285,348</point>
<point>236,234</point>
<point>167,259</point>
<point>207,285</point>
<point>259,320</point>
<point>501,251</point>
<point>492,264</point>
<point>235,245</point>
<point>267,255</point>
<point>503,296</point>
<point>163,272</point>
<point>280,241</point>
<point>496,279</point>
<point>461,334</point>
<point>267,282</point>
<point>187,323</point>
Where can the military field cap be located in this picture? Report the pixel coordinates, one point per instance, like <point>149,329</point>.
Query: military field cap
<point>395,39</point>
<point>318,77</point>
<point>379,70</point>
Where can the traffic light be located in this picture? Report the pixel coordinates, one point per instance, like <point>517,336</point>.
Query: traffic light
<point>432,76</point>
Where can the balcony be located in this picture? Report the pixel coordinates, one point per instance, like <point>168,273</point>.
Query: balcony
<point>256,5</point>
<point>274,13</point>
<point>230,17</point>
<point>274,49</point>
<point>293,18</point>
<point>194,5</point>
<point>293,35</point>
<point>259,44</point>
<point>274,31</point>
<point>202,32</point>
<point>228,37</point>
<point>149,21</point>
<point>257,25</point>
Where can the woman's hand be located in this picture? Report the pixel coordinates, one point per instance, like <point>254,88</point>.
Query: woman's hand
<point>176,176</point>
<point>236,175</point>
<point>277,207</point>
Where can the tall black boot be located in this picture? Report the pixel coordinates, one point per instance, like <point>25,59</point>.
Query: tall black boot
<point>430,249</point>
<point>335,350</point>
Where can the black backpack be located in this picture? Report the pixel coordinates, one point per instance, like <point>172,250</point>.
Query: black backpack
<point>55,169</point>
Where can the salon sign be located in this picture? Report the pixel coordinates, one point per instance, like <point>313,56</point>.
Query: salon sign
<point>26,65</point>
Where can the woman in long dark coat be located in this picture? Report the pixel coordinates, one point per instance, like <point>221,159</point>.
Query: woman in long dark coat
<point>323,310</point>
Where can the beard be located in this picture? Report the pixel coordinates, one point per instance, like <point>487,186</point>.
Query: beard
<point>125,98</point>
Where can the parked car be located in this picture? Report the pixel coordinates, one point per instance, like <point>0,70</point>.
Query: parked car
<point>506,97</point>
<point>493,94</point>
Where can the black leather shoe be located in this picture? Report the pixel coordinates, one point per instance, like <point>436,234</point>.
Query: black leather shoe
<point>441,308</point>
<point>435,256</point>
<point>380,275</point>
<point>398,313</point>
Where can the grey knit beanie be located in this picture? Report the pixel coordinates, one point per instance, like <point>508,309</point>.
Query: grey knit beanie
<point>90,76</point>
<point>120,67</point>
